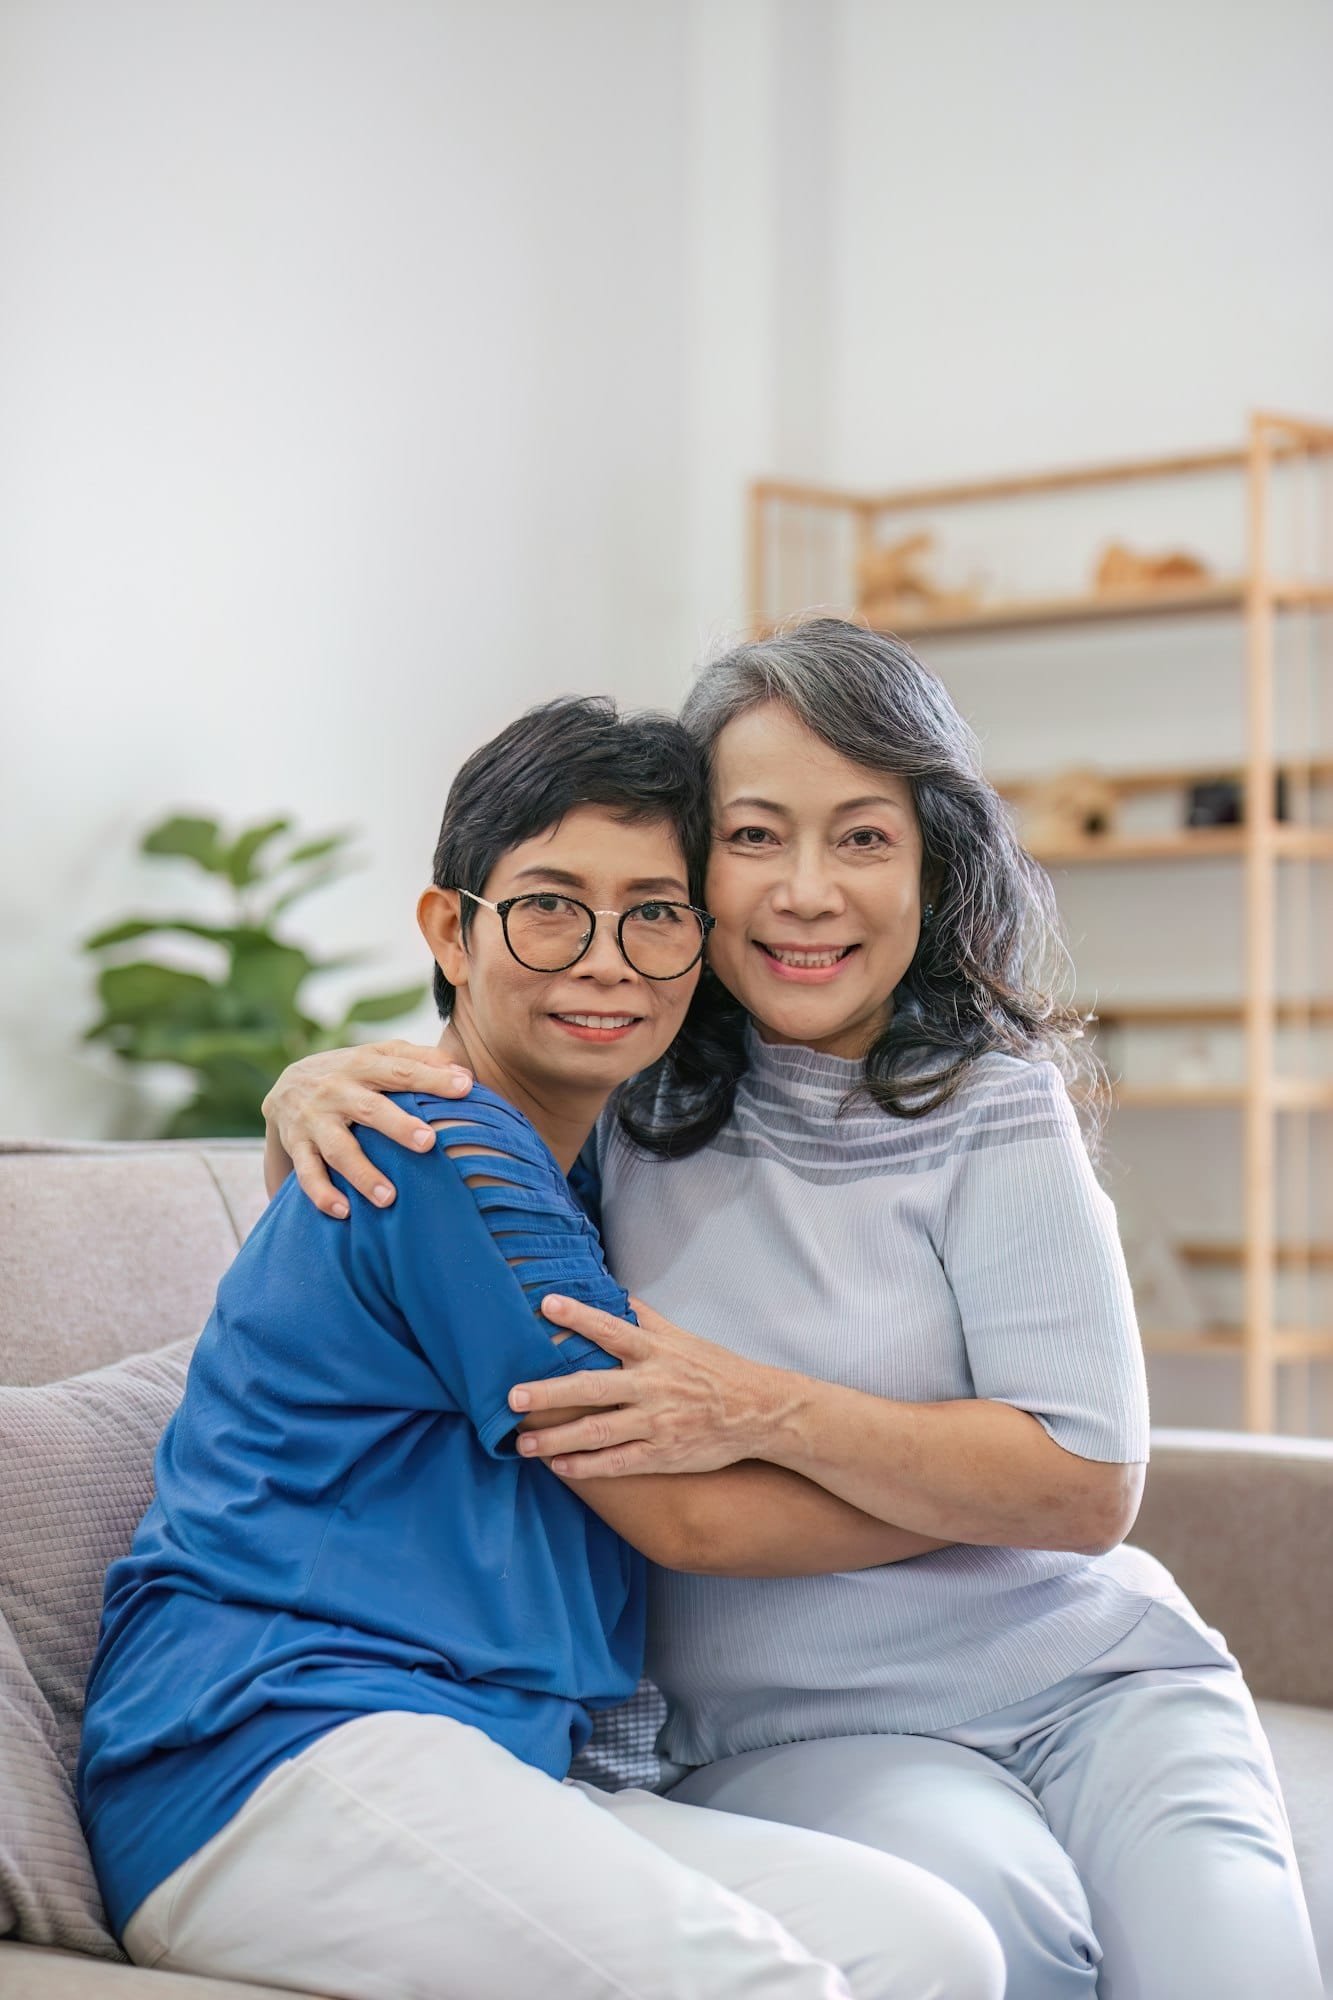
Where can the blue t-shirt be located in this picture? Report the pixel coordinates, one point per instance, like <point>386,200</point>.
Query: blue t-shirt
<point>341,1523</point>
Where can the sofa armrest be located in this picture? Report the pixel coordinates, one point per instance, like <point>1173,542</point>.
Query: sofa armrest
<point>1245,1525</point>
<point>32,1972</point>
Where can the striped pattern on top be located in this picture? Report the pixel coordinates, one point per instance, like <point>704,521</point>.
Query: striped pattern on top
<point>969,1252</point>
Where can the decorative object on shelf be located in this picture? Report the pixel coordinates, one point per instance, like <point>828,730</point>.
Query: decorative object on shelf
<point>1069,807</point>
<point>1121,568</point>
<point>1197,1061</point>
<point>1163,1294</point>
<point>1221,802</point>
<point>893,577</point>
<point>237,1032</point>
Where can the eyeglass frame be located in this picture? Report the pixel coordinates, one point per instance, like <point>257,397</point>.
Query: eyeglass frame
<point>502,909</point>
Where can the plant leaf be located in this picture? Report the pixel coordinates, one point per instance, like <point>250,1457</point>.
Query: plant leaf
<point>266,977</point>
<point>191,839</point>
<point>136,992</point>
<point>240,857</point>
<point>133,927</point>
<point>383,1006</point>
<point>137,927</point>
<point>333,871</point>
<point>314,850</point>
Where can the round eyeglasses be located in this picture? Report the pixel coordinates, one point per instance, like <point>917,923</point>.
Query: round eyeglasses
<point>547,932</point>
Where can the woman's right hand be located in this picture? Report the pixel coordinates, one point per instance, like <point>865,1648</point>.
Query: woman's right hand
<point>313,1103</point>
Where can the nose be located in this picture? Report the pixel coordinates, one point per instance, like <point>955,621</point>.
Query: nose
<point>808,888</point>
<point>603,962</point>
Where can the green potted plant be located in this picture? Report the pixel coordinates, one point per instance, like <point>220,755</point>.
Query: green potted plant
<point>236,1032</point>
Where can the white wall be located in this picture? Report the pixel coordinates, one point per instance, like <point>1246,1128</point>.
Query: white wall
<point>1072,232</point>
<point>341,378</point>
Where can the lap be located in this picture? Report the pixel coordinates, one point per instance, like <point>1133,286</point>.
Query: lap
<point>1122,1832</point>
<point>425,1833</point>
<point>953,1810</point>
<point>1159,1785</point>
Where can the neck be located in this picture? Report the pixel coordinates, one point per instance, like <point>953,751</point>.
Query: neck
<point>562,1119</point>
<point>853,1041</point>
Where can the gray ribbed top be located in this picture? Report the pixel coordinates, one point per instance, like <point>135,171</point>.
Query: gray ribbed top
<point>970,1252</point>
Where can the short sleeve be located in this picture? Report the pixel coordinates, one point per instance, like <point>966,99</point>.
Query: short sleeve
<point>1031,1250</point>
<point>454,1269</point>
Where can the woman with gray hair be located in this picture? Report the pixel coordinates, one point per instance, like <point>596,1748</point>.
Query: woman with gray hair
<point>857,1177</point>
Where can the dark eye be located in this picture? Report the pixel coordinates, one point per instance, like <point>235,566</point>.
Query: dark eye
<point>750,836</point>
<point>867,836</point>
<point>657,913</point>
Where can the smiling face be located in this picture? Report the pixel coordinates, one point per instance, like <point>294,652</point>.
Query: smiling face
<point>815,882</point>
<point>559,1042</point>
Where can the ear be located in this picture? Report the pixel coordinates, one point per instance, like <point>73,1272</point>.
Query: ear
<point>439,917</point>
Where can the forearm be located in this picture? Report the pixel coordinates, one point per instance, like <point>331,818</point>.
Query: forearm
<point>751,1519</point>
<point>966,1471</point>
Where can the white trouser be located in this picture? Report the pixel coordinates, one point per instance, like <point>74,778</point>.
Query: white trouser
<point>1123,1832</point>
<point>409,1857</point>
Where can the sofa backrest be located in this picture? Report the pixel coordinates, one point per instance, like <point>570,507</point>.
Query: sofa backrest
<point>110,1249</point>
<point>116,1248</point>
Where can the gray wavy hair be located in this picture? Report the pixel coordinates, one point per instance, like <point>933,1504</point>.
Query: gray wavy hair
<point>991,971</point>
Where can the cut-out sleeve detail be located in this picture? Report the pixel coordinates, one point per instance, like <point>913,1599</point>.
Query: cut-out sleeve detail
<point>484,1227</point>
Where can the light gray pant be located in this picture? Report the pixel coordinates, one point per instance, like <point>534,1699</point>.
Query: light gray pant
<point>1123,1831</point>
<point>408,1857</point>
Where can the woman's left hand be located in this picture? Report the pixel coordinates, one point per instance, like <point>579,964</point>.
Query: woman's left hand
<point>676,1404</point>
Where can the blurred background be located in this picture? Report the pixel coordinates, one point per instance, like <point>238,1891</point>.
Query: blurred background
<point>370,372</point>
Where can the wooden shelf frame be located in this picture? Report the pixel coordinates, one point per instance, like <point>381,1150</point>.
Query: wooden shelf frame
<point>1190,1013</point>
<point>846,523</point>
<point>1196,843</point>
<point>1290,1344</point>
<point>1196,600</point>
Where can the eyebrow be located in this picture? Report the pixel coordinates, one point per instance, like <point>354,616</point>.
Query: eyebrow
<point>647,885</point>
<point>847,805</point>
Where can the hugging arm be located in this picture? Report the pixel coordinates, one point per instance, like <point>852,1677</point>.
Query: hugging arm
<point>310,1109</point>
<point>1049,1450</point>
<point>750,1519</point>
<point>742,1520</point>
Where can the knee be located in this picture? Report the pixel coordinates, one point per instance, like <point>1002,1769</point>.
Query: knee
<point>919,1938</point>
<point>957,1955</point>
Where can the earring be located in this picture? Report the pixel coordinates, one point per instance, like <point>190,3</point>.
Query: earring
<point>927,914</point>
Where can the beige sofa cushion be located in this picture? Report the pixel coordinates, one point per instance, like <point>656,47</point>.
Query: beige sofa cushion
<point>1302,1745</point>
<point>76,1474</point>
<point>108,1250</point>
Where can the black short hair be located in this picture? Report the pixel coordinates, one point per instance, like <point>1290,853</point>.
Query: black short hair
<point>578,751</point>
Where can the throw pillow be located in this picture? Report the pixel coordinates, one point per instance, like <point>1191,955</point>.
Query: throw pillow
<point>48,1892</point>
<point>76,1474</point>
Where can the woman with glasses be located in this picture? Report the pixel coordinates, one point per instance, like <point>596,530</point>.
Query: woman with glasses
<point>358,1639</point>
<point>858,1180</point>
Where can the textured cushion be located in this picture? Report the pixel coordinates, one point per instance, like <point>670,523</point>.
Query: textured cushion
<point>48,1892</point>
<point>76,1473</point>
<point>28,1973</point>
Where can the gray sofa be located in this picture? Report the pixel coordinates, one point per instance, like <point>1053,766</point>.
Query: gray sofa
<point>108,1251</point>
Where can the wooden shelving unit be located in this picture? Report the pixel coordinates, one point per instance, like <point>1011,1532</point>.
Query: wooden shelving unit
<point>805,546</point>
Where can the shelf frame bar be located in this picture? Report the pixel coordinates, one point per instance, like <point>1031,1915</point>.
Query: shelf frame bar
<point>1260,930</point>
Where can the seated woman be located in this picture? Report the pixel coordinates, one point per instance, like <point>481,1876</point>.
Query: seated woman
<point>358,1638</point>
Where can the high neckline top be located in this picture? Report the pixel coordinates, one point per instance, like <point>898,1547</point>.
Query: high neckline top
<point>965,1251</point>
